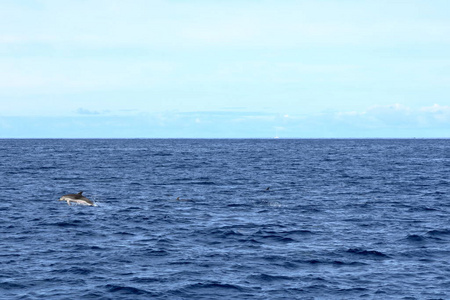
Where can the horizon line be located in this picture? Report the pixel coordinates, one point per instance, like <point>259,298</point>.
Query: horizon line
<point>224,138</point>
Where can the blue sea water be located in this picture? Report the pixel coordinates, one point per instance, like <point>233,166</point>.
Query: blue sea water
<point>342,219</point>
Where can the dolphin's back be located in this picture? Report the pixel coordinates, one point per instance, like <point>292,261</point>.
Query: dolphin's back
<point>76,198</point>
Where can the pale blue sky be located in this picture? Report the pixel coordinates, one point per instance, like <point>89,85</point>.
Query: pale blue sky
<point>247,68</point>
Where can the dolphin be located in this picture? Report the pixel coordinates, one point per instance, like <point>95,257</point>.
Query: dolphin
<point>76,198</point>
<point>178,199</point>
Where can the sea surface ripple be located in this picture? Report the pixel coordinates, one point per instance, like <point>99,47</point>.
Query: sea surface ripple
<point>342,219</point>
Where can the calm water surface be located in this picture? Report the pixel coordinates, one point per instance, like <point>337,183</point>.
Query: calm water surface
<point>343,219</point>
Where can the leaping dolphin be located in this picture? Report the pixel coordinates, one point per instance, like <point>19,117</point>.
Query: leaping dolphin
<point>76,198</point>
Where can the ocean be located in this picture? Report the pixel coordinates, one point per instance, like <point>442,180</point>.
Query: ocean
<point>255,219</point>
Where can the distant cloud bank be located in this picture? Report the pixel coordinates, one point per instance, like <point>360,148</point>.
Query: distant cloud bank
<point>390,121</point>
<point>83,111</point>
<point>397,115</point>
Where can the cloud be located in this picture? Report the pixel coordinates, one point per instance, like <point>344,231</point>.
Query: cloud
<point>437,112</point>
<point>396,116</point>
<point>436,108</point>
<point>394,120</point>
<point>83,111</point>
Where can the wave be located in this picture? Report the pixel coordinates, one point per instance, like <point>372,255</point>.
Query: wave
<point>75,270</point>
<point>439,232</point>
<point>74,223</point>
<point>127,290</point>
<point>12,285</point>
<point>146,280</point>
<point>203,182</point>
<point>162,154</point>
<point>277,238</point>
<point>330,262</point>
<point>415,238</point>
<point>214,288</point>
<point>368,253</point>
<point>238,205</point>
<point>269,278</point>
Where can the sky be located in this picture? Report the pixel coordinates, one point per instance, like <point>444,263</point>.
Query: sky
<point>224,69</point>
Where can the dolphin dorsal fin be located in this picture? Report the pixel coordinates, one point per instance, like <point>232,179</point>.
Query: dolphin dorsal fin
<point>80,192</point>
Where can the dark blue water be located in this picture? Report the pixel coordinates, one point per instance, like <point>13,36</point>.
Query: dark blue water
<point>343,219</point>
